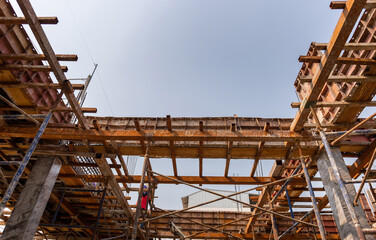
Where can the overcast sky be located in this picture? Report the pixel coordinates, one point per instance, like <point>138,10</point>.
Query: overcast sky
<point>189,58</point>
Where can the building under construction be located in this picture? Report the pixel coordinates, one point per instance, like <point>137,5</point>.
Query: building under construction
<point>64,175</point>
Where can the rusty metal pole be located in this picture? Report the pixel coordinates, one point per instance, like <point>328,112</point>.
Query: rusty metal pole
<point>313,199</point>
<point>140,191</point>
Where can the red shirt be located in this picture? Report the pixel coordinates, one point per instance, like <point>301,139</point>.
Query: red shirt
<point>144,201</point>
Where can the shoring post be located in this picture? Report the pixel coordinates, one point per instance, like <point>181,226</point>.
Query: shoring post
<point>342,186</point>
<point>140,191</point>
<point>312,194</point>
<point>289,202</point>
<point>99,213</point>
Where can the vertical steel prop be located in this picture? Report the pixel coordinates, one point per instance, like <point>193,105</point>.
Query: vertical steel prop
<point>342,186</point>
<point>289,202</point>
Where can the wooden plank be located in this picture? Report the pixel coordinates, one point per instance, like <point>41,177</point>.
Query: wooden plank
<point>340,35</point>
<point>200,158</point>
<point>58,109</point>
<point>172,148</point>
<point>340,60</point>
<point>340,79</point>
<point>337,104</point>
<point>228,157</point>
<point>37,57</point>
<point>229,150</point>
<point>259,151</point>
<point>34,68</point>
<point>188,179</point>
<point>349,46</point>
<point>200,151</point>
<point>158,135</point>
<point>22,20</point>
<point>39,85</point>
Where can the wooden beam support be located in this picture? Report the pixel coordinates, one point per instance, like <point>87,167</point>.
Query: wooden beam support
<point>200,151</point>
<point>34,68</point>
<point>158,135</point>
<point>341,60</point>
<point>22,20</point>
<point>37,57</point>
<point>342,31</point>
<point>58,109</point>
<point>349,46</point>
<point>138,128</point>
<point>172,148</point>
<point>188,179</point>
<point>336,104</point>
<point>39,85</point>
<point>259,151</point>
<point>228,157</point>
<point>340,79</point>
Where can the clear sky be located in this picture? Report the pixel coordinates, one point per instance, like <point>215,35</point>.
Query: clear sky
<point>189,58</point>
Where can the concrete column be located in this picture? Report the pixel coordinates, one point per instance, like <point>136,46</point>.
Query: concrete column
<point>33,199</point>
<point>341,214</point>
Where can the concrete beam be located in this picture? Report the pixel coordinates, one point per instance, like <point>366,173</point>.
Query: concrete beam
<point>30,206</point>
<point>344,223</point>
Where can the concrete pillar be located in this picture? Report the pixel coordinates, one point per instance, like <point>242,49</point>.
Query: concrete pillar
<point>341,214</point>
<point>33,199</point>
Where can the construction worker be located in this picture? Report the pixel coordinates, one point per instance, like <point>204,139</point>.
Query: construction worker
<point>144,199</point>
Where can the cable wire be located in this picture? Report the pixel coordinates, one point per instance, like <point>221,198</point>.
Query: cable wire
<point>90,55</point>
